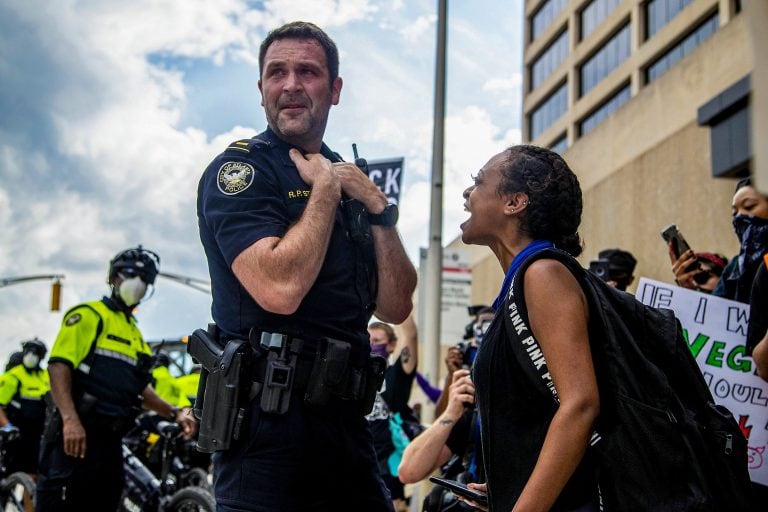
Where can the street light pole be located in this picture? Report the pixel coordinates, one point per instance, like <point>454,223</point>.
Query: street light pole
<point>55,288</point>
<point>434,263</point>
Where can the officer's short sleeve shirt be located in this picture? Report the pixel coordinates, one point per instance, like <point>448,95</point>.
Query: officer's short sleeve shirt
<point>78,332</point>
<point>9,385</point>
<point>255,192</point>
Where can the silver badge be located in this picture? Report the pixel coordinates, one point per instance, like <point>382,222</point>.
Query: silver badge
<point>73,319</point>
<point>234,177</point>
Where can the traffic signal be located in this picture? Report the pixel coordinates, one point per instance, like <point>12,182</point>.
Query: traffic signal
<point>56,295</point>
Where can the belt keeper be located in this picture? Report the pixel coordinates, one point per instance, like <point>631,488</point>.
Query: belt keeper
<point>272,340</point>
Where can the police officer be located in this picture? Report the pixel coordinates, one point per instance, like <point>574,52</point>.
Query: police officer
<point>190,382</point>
<point>285,228</point>
<point>166,385</point>
<point>14,360</point>
<point>100,378</point>
<point>21,405</point>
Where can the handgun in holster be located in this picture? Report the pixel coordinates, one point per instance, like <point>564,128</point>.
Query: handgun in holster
<point>220,406</point>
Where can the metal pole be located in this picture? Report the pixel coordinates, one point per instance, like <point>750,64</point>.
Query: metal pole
<point>433,280</point>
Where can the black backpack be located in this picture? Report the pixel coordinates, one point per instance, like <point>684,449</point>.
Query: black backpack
<point>661,443</point>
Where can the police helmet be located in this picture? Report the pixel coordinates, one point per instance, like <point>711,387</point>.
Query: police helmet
<point>137,261</point>
<point>14,360</point>
<point>35,345</point>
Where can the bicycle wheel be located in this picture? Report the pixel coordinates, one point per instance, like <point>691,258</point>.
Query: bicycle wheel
<point>18,493</point>
<point>196,477</point>
<point>192,499</point>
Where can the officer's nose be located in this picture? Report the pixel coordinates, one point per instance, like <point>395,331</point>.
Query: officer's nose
<point>291,82</point>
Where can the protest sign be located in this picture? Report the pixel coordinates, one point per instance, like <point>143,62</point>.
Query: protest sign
<point>716,331</point>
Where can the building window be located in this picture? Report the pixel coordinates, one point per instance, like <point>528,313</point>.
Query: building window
<point>660,12</point>
<point>549,111</point>
<point>682,48</point>
<point>544,17</point>
<point>604,110</point>
<point>548,61</point>
<point>607,58</point>
<point>560,144</point>
<point>595,13</point>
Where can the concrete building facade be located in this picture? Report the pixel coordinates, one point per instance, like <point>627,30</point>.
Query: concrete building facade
<point>631,92</point>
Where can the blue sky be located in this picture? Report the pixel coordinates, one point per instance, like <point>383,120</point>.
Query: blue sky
<point>110,111</point>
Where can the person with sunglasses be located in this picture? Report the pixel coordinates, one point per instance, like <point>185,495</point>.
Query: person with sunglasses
<point>702,277</point>
<point>100,374</point>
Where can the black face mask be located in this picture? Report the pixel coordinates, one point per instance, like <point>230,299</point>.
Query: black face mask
<point>753,237</point>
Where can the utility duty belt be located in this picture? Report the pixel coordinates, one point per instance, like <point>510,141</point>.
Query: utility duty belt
<point>279,366</point>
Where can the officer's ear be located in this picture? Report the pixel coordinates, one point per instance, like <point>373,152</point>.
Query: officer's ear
<point>261,92</point>
<point>336,90</point>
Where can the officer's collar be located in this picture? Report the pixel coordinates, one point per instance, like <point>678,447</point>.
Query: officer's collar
<point>271,137</point>
<point>115,306</point>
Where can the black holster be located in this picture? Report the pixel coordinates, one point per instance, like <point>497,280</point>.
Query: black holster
<point>223,390</point>
<point>53,423</point>
<point>333,375</point>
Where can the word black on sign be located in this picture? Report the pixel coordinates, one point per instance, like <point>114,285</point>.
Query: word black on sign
<point>387,175</point>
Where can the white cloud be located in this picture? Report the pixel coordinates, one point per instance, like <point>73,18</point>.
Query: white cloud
<point>118,168</point>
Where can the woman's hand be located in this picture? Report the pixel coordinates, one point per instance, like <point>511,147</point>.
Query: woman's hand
<point>460,394</point>
<point>679,266</point>
<point>477,487</point>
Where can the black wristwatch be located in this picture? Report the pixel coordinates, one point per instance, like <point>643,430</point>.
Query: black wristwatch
<point>387,217</point>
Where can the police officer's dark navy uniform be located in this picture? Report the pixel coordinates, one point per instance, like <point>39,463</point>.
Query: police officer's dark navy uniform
<point>100,371</point>
<point>305,444</point>
<point>337,306</point>
<point>22,388</point>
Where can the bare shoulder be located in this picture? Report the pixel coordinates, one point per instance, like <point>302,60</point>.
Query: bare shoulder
<point>549,272</point>
<point>549,283</point>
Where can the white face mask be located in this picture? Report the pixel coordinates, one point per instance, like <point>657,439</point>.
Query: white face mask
<point>132,290</point>
<point>30,360</point>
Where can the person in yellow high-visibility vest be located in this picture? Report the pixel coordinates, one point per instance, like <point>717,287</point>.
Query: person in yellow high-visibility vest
<point>190,382</point>
<point>166,385</point>
<point>100,370</point>
<point>22,406</point>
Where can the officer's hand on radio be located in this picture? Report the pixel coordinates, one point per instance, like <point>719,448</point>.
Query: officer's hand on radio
<point>187,422</point>
<point>74,437</point>
<point>357,185</point>
<point>317,171</point>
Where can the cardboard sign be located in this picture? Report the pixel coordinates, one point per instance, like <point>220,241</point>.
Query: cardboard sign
<point>716,331</point>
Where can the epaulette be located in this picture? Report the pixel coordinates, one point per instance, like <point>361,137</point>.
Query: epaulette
<point>248,145</point>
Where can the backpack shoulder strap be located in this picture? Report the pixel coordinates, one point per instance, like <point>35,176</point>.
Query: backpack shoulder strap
<point>522,340</point>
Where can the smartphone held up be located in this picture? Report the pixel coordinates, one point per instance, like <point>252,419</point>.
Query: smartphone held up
<point>673,237</point>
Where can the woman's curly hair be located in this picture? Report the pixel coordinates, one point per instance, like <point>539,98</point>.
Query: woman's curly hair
<point>554,195</point>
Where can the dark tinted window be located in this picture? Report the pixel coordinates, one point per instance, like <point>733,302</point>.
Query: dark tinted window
<point>548,61</point>
<point>615,51</point>
<point>549,111</point>
<point>604,110</point>
<point>595,13</point>
<point>660,12</point>
<point>682,48</point>
<point>544,17</point>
